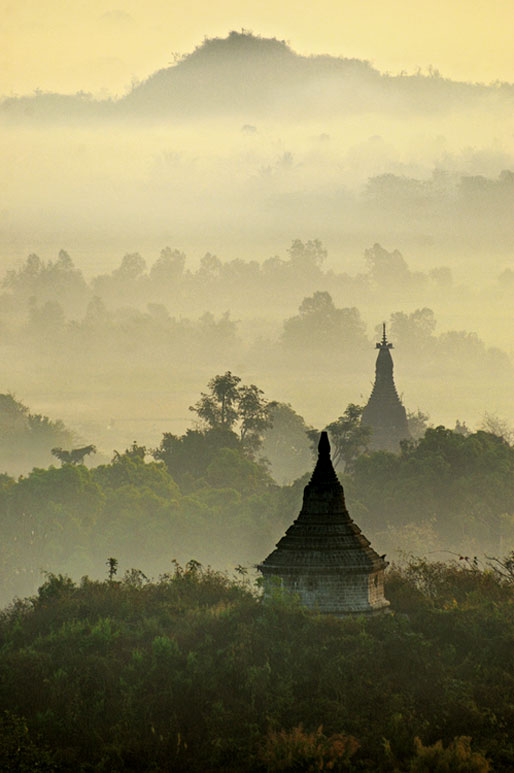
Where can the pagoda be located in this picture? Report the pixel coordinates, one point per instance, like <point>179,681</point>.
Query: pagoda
<point>323,556</point>
<point>384,412</point>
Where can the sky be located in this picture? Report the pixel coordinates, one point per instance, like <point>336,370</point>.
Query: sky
<point>102,46</point>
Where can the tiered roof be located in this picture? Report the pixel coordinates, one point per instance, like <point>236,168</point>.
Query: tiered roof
<point>323,539</point>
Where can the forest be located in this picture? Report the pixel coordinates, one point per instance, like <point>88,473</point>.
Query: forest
<point>224,491</point>
<point>121,354</point>
<point>194,672</point>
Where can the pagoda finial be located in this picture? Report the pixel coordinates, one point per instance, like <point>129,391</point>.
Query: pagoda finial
<point>384,344</point>
<point>324,445</point>
<point>324,471</point>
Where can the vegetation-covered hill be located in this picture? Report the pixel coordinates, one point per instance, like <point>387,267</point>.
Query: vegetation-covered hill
<point>196,673</point>
<point>247,74</point>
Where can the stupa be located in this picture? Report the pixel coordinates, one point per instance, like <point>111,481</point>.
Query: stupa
<point>384,412</point>
<point>323,557</point>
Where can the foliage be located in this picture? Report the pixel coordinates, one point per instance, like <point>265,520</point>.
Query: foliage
<point>194,672</point>
<point>298,750</point>
<point>286,444</point>
<point>26,438</point>
<point>203,494</point>
<point>217,503</point>
<point>349,438</point>
<point>321,325</point>
<point>52,281</point>
<point>497,426</point>
<point>457,758</point>
<point>417,422</point>
<point>75,456</point>
<point>218,408</point>
<point>188,456</point>
<point>461,485</point>
<point>19,751</point>
<point>227,404</point>
<point>504,568</point>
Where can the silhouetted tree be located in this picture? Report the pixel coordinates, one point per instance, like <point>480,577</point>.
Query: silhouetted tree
<point>417,422</point>
<point>75,456</point>
<point>286,444</point>
<point>321,325</point>
<point>348,437</point>
<point>112,567</point>
<point>218,408</point>
<point>227,404</point>
<point>253,414</point>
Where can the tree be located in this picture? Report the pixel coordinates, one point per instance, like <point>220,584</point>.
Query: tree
<point>497,426</point>
<point>286,443</point>
<point>227,404</point>
<point>461,428</point>
<point>112,567</point>
<point>319,324</point>
<point>48,281</point>
<point>417,422</point>
<point>413,330</point>
<point>132,267</point>
<point>254,415</point>
<point>26,438</point>
<point>309,255</point>
<point>460,486</point>
<point>188,456</point>
<point>218,408</point>
<point>75,456</point>
<point>348,437</point>
<point>386,267</point>
<point>169,267</point>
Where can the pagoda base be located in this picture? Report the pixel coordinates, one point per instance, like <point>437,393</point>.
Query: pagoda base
<point>340,594</point>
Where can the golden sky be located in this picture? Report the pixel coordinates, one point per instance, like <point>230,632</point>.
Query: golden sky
<point>95,45</point>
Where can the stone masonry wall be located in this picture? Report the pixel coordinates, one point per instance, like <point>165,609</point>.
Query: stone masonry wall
<point>376,588</point>
<point>338,593</point>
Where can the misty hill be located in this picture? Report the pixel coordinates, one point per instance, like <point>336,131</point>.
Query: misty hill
<point>256,77</point>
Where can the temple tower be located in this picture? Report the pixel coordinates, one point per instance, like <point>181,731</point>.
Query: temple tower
<point>384,412</point>
<point>323,556</point>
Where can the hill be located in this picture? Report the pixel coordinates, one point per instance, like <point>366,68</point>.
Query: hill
<point>196,673</point>
<point>258,77</point>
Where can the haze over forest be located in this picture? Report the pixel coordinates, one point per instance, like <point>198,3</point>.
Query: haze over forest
<point>194,273</point>
<point>253,210</point>
<point>238,150</point>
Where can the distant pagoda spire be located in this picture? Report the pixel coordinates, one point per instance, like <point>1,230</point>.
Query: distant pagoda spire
<point>383,344</point>
<point>323,557</point>
<point>384,412</point>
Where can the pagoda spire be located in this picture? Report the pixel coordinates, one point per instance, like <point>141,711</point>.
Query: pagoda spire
<point>384,344</point>
<point>324,473</point>
<point>384,412</point>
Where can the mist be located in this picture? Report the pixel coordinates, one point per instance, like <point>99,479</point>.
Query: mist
<point>243,145</point>
<point>248,209</point>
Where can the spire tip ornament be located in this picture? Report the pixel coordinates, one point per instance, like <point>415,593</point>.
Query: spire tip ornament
<point>383,344</point>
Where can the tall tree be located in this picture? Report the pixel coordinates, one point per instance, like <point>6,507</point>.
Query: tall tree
<point>229,406</point>
<point>254,415</point>
<point>349,438</point>
<point>218,408</point>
